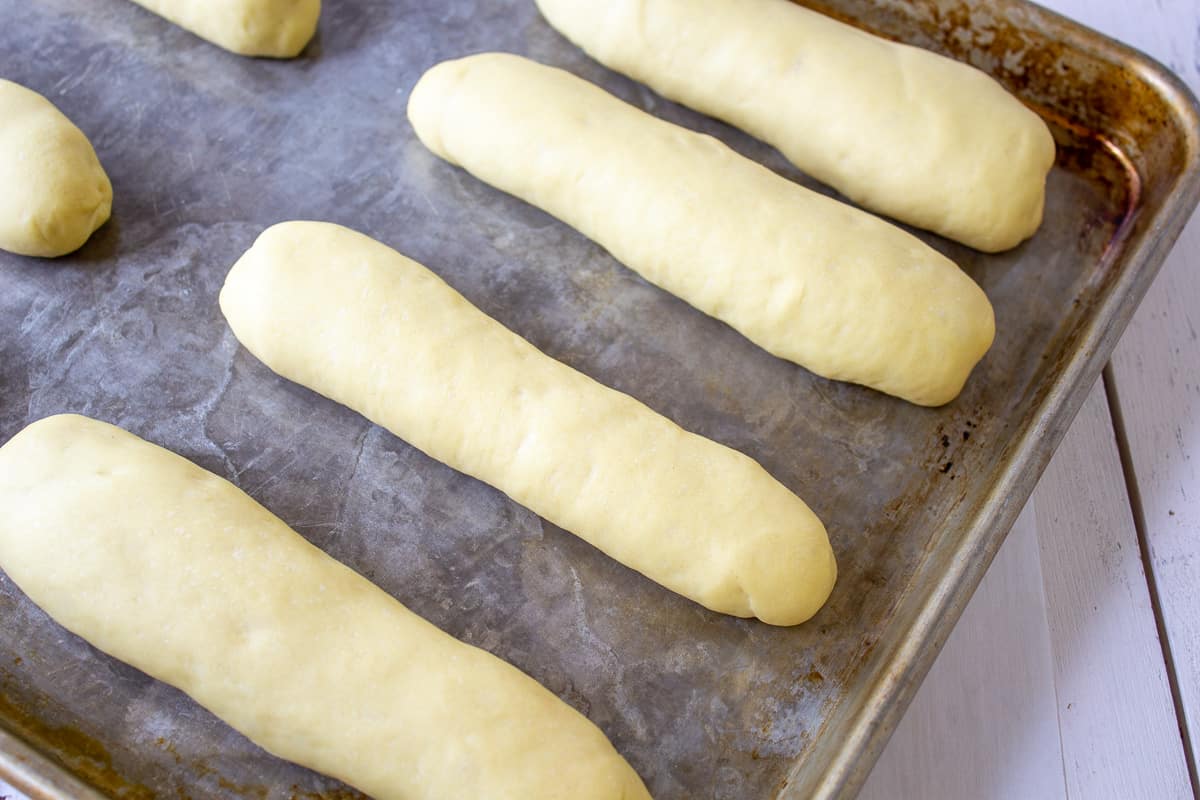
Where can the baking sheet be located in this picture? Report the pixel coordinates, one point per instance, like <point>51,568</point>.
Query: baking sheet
<point>205,149</point>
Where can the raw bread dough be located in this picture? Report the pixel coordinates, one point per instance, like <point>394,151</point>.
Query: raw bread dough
<point>53,191</point>
<point>178,572</point>
<point>360,323</point>
<point>900,130</point>
<point>275,28</point>
<point>810,279</point>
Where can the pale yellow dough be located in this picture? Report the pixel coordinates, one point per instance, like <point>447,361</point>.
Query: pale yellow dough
<point>358,322</point>
<point>53,191</point>
<point>274,28</point>
<point>900,130</point>
<point>810,279</point>
<point>179,573</point>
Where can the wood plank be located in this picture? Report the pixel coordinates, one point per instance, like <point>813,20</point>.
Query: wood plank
<point>983,724</point>
<point>1120,735</point>
<point>1156,371</point>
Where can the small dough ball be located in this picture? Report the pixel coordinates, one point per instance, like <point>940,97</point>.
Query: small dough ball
<point>53,191</point>
<point>271,28</point>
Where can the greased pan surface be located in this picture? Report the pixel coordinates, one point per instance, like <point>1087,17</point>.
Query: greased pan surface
<point>206,149</point>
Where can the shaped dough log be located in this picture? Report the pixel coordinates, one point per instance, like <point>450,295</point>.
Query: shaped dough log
<point>900,130</point>
<point>53,191</point>
<point>274,28</point>
<point>358,322</point>
<point>178,572</point>
<point>810,279</point>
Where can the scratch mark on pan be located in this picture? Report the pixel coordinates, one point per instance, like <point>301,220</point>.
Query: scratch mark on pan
<point>360,446</point>
<point>429,203</point>
<point>225,186</point>
<point>273,476</point>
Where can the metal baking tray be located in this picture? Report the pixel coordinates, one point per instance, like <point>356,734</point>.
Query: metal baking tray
<point>205,149</point>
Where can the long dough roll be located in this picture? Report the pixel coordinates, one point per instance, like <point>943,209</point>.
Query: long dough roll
<point>273,28</point>
<point>900,130</point>
<point>810,279</point>
<point>178,572</point>
<point>358,322</point>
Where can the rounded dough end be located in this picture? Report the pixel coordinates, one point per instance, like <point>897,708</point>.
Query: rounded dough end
<point>1024,183</point>
<point>256,28</point>
<point>280,28</point>
<point>794,588</point>
<point>977,331</point>
<point>57,193</point>
<point>426,103</point>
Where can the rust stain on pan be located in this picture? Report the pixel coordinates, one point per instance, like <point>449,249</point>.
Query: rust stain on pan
<point>78,752</point>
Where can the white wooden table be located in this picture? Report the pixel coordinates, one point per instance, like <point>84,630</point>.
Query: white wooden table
<point>1075,670</point>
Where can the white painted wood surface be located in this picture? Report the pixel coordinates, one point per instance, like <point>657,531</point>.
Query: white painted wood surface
<point>1117,721</point>
<point>1111,693</point>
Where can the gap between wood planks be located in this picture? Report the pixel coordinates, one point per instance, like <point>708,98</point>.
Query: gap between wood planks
<point>1140,528</point>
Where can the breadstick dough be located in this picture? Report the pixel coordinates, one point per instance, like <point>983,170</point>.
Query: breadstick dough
<point>178,572</point>
<point>274,28</point>
<point>53,191</point>
<point>922,138</point>
<point>356,321</point>
<point>810,279</point>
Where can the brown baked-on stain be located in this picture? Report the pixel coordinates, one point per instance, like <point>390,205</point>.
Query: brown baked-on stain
<point>87,759</point>
<point>75,750</point>
<point>251,791</point>
<point>202,770</point>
